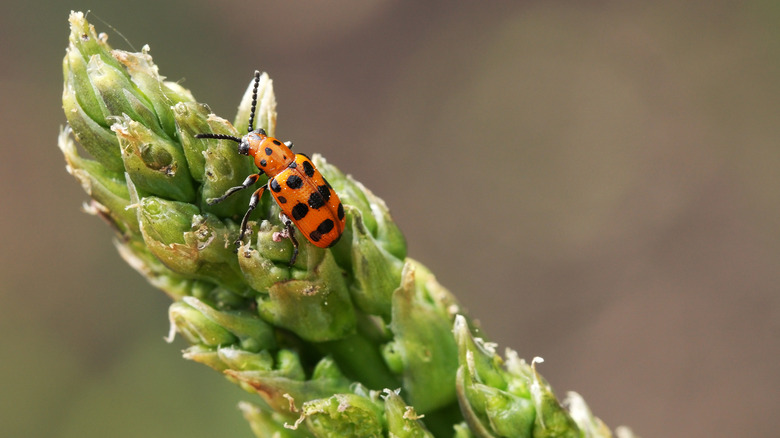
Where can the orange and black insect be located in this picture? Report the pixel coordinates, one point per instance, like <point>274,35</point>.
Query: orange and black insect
<point>306,199</point>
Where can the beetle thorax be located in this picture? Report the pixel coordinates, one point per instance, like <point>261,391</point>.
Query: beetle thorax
<point>271,155</point>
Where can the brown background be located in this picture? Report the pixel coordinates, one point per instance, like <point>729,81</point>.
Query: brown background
<point>596,181</point>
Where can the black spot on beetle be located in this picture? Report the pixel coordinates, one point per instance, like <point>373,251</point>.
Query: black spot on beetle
<point>292,165</point>
<point>263,163</point>
<point>294,182</point>
<point>308,169</point>
<point>325,192</point>
<point>274,184</point>
<point>281,199</point>
<point>269,151</point>
<point>315,200</point>
<point>277,142</point>
<point>299,211</point>
<point>340,212</point>
<point>325,226</point>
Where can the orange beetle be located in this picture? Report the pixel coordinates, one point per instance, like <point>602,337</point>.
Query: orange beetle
<point>306,199</point>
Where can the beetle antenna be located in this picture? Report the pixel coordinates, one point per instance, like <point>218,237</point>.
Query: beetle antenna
<point>251,126</point>
<point>219,137</point>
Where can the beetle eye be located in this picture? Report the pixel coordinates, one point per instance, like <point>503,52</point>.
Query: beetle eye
<point>243,148</point>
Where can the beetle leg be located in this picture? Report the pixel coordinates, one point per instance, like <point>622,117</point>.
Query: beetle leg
<point>251,179</point>
<point>253,201</point>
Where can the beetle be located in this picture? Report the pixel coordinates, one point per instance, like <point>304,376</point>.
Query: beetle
<point>302,193</point>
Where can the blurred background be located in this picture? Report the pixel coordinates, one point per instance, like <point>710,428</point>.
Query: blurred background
<point>598,182</point>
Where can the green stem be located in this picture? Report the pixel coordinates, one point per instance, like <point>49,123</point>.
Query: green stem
<point>441,421</point>
<point>359,357</point>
